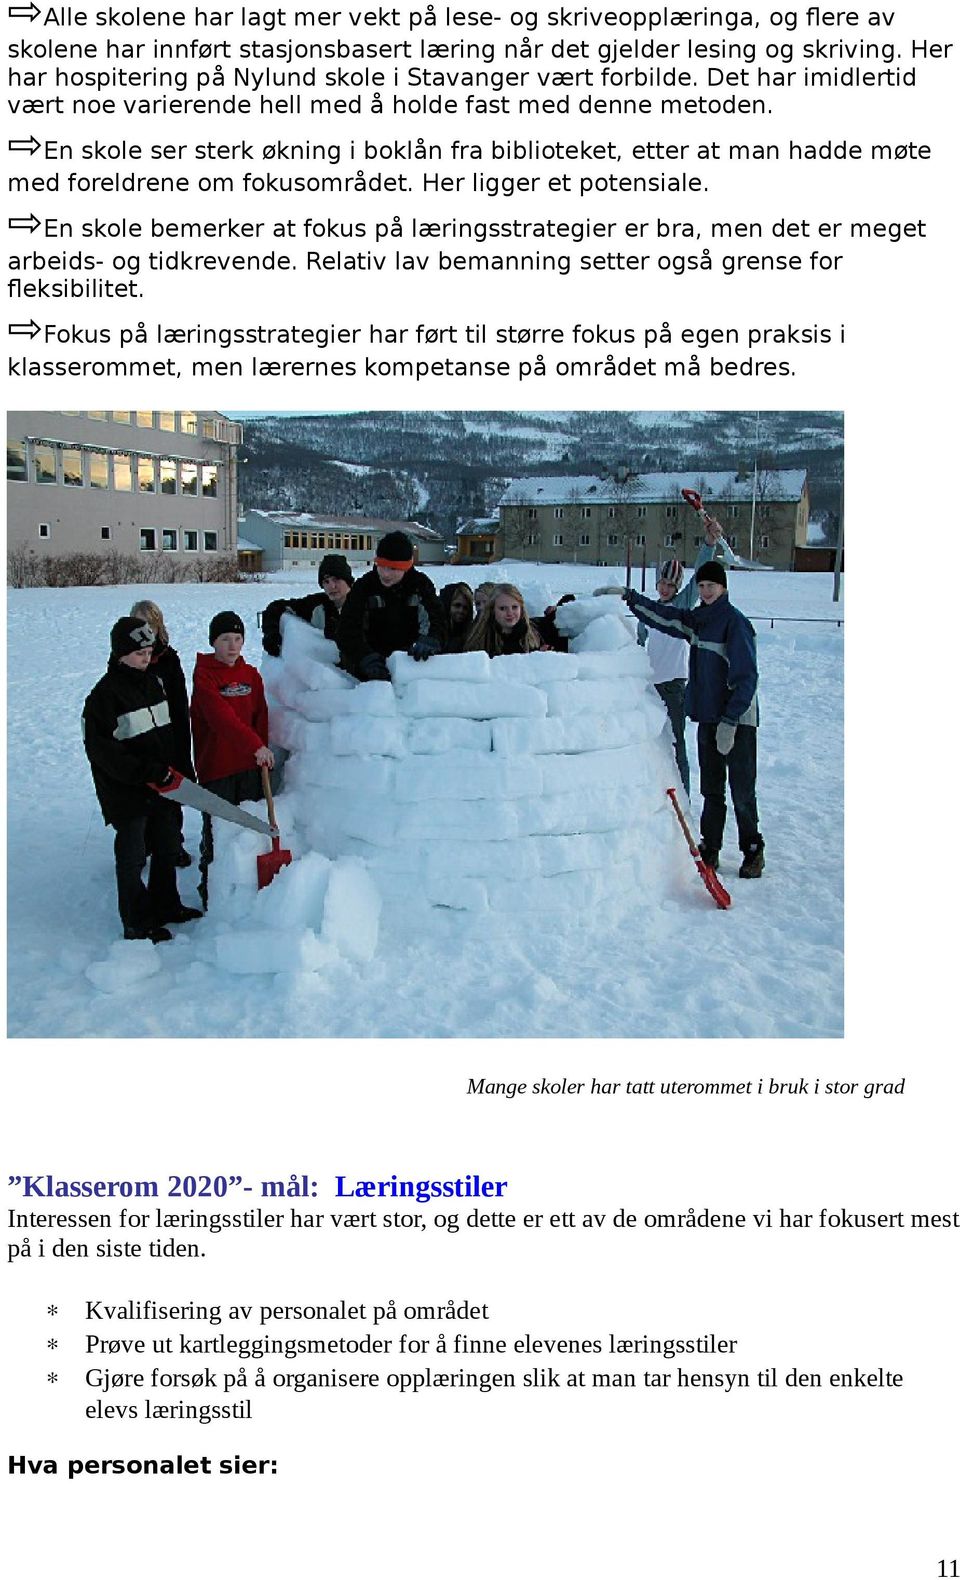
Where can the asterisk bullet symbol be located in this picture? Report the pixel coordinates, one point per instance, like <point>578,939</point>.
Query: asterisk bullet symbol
<point>52,1311</point>
<point>51,1344</point>
<point>51,1376</point>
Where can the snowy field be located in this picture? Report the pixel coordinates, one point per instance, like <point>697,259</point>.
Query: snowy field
<point>656,964</point>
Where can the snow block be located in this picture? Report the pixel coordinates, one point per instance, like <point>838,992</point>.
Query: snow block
<point>592,696</point>
<point>474,667</point>
<point>435,735</point>
<point>574,618</point>
<point>606,634</point>
<point>534,669</point>
<point>455,820</point>
<point>569,733</point>
<point>372,776</point>
<point>628,659</point>
<point>449,861</point>
<point>586,812</point>
<point>458,894</point>
<point>351,915</point>
<point>270,952</point>
<point>592,770</point>
<point>467,776</point>
<point>295,897</point>
<point>565,892</point>
<point>130,960</point>
<point>362,735</point>
<point>455,698</point>
<point>376,697</point>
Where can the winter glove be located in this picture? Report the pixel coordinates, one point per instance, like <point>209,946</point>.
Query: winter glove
<point>629,596</point>
<point>725,737</point>
<point>165,780</point>
<point>372,667</point>
<point>424,647</point>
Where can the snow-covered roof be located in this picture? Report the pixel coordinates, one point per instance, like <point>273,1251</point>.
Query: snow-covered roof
<point>317,522</point>
<point>468,528</point>
<point>244,545</point>
<point>653,488</point>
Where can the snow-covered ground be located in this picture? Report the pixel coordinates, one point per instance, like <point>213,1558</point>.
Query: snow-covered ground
<point>665,964</point>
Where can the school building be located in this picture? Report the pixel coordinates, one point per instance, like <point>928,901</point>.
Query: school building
<point>148,483</point>
<point>298,539</point>
<point>591,520</point>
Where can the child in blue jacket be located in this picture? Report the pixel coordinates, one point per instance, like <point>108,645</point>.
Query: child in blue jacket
<point>721,697</point>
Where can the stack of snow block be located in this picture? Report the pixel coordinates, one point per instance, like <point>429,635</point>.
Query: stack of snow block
<point>516,787</point>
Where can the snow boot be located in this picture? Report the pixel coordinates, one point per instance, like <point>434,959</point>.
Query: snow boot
<point>752,863</point>
<point>156,935</point>
<point>184,913</point>
<point>710,858</point>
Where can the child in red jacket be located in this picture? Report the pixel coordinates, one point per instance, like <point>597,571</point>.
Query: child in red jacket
<point>229,718</point>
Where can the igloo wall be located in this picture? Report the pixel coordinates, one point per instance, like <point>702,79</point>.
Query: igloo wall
<point>522,786</point>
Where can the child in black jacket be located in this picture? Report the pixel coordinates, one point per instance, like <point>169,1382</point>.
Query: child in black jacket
<point>130,741</point>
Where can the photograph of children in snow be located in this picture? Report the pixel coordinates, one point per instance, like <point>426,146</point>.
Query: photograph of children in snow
<point>425,724</point>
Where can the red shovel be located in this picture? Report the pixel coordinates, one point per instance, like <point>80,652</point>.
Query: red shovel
<point>708,874</point>
<point>269,864</point>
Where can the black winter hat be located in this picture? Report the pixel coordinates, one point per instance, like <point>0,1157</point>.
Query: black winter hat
<point>713,571</point>
<point>396,550</point>
<point>131,636</point>
<point>335,565</point>
<point>225,622</point>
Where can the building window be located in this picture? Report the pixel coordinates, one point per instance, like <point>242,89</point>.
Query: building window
<point>210,542</point>
<point>98,416</point>
<point>105,534</point>
<point>191,540</point>
<point>144,419</point>
<point>288,540</point>
<point>558,513</point>
<point>532,540</point>
<point>122,416</point>
<point>148,539</point>
<point>98,475</point>
<point>670,512</point>
<point>123,473</point>
<point>188,478</point>
<point>585,512</point>
<point>613,538</point>
<point>531,515</point>
<point>558,540</point>
<point>668,541</point>
<point>167,421</point>
<point>764,541</point>
<point>43,529</point>
<point>732,539</point>
<point>44,464</point>
<point>168,540</point>
<point>188,422</point>
<point>584,540</point>
<point>611,510</point>
<point>146,474</point>
<point>734,510</point>
<point>641,512</point>
<point>16,461</point>
<point>210,482</point>
<point>168,476</point>
<point>71,462</point>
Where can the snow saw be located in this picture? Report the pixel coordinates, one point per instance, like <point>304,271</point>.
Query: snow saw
<point>190,794</point>
<point>695,501</point>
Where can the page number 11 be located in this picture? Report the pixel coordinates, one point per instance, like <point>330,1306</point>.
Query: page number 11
<point>948,1569</point>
